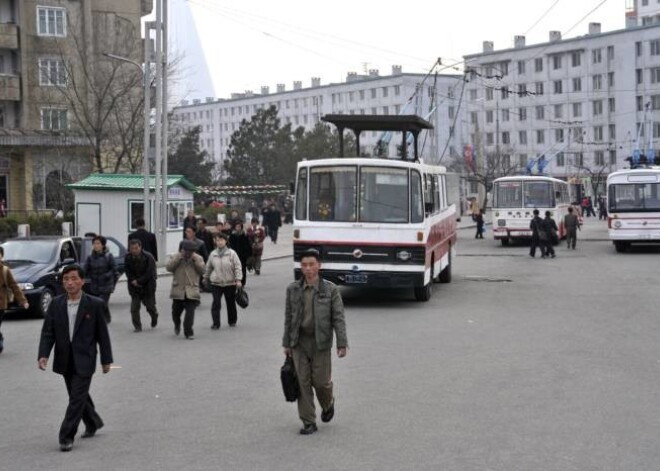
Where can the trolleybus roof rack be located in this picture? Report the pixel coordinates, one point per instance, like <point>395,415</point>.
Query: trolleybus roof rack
<point>365,122</point>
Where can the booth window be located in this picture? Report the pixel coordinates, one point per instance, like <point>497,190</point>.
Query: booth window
<point>177,212</point>
<point>136,211</point>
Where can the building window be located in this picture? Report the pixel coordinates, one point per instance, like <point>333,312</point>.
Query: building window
<point>559,135</point>
<point>489,116</point>
<point>522,137</point>
<point>473,95</point>
<point>577,134</point>
<point>596,56</point>
<point>598,133</point>
<point>522,114</point>
<point>539,88</point>
<point>611,105</point>
<point>540,112</point>
<point>522,160</point>
<point>638,48</point>
<point>521,67</point>
<point>610,53</point>
<point>610,79</point>
<point>559,111</point>
<point>52,72</point>
<point>577,84</point>
<point>450,112</point>
<point>374,93</point>
<point>557,86</point>
<point>51,21</point>
<point>505,115</point>
<point>473,117</point>
<point>612,132</point>
<point>639,74</point>
<point>538,65</point>
<point>489,94</point>
<point>612,157</point>
<point>597,82</point>
<point>640,103</point>
<point>655,74</point>
<point>556,61</point>
<point>397,90</point>
<point>597,107</point>
<point>579,159</point>
<point>655,47</point>
<point>489,138</point>
<point>522,89</point>
<point>505,93</point>
<point>576,59</point>
<point>540,136</point>
<point>386,110</point>
<point>361,93</point>
<point>599,158</point>
<point>655,102</point>
<point>505,138</point>
<point>385,92</point>
<point>54,119</point>
<point>560,159</point>
<point>504,68</point>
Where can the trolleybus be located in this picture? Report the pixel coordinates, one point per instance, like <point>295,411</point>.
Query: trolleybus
<point>633,204</point>
<point>377,222</point>
<point>516,197</point>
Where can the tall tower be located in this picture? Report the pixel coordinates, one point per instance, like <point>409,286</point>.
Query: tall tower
<point>191,78</point>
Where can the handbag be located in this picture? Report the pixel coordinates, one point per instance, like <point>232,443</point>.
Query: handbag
<point>242,298</point>
<point>289,380</point>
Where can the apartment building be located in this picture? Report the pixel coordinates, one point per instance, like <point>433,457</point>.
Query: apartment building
<point>580,101</point>
<point>41,44</point>
<point>399,93</point>
<point>642,12</point>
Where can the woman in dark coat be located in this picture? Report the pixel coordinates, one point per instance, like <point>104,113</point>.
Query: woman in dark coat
<point>240,243</point>
<point>101,272</point>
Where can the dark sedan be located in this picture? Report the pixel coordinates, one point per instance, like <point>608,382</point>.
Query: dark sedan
<point>37,261</point>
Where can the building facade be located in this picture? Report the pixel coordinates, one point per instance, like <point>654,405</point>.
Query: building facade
<point>47,49</point>
<point>642,12</point>
<point>399,93</point>
<point>580,102</point>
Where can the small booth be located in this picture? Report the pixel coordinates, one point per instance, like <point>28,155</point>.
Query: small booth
<point>109,204</point>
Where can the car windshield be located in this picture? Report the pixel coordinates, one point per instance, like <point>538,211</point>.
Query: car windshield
<point>37,251</point>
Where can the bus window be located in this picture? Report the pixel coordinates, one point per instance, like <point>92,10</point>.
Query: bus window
<point>416,202</point>
<point>301,195</point>
<point>539,195</point>
<point>508,195</point>
<point>383,194</point>
<point>333,193</point>
<point>443,191</point>
<point>436,193</point>
<point>638,197</point>
<point>428,194</point>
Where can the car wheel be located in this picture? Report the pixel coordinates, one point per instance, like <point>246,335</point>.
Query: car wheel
<point>44,301</point>
<point>424,293</point>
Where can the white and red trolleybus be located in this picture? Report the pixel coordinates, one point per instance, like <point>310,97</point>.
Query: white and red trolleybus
<point>516,197</point>
<point>377,222</point>
<point>633,204</point>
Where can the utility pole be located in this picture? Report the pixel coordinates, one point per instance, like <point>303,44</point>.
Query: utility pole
<point>161,218</point>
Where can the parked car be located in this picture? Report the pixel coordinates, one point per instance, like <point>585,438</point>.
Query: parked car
<point>37,262</point>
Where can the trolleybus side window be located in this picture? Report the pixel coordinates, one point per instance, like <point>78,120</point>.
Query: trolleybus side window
<point>508,195</point>
<point>443,191</point>
<point>436,193</point>
<point>333,193</point>
<point>416,202</point>
<point>301,195</point>
<point>428,194</point>
<point>539,195</point>
<point>383,194</point>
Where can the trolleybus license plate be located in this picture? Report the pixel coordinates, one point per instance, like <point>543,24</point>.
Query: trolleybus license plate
<point>356,278</point>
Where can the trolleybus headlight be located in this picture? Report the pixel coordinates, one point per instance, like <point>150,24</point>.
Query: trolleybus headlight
<point>403,255</point>
<point>617,224</point>
<point>501,222</point>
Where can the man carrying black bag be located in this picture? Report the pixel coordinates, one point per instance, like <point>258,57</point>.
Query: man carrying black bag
<point>314,309</point>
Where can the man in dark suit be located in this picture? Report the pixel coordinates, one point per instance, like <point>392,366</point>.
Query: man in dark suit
<point>74,325</point>
<point>147,238</point>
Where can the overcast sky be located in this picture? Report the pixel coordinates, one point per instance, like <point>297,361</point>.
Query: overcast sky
<point>252,43</point>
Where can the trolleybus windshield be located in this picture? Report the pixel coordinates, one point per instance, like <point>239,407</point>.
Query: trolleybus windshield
<point>635,197</point>
<point>528,194</point>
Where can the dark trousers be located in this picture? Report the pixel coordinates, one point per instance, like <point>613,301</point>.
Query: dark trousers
<point>272,233</point>
<point>229,292</point>
<point>80,407</point>
<point>547,246</point>
<point>480,232</point>
<point>149,301</point>
<point>571,237</point>
<point>188,305</point>
<point>536,242</point>
<point>2,314</point>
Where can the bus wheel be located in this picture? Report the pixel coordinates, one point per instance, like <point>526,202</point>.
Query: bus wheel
<point>424,293</point>
<point>445,275</point>
<point>620,246</point>
<point>505,242</point>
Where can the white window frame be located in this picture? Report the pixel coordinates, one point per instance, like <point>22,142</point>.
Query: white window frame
<point>46,72</point>
<point>47,10</point>
<point>50,110</point>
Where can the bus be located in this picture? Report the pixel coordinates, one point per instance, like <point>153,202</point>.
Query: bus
<point>633,205</point>
<point>377,222</point>
<point>516,197</point>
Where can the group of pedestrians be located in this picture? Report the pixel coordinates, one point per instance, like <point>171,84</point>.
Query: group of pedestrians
<point>545,233</point>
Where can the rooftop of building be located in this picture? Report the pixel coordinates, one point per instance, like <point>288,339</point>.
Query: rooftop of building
<point>126,182</point>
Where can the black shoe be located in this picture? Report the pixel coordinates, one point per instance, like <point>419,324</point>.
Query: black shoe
<point>190,337</point>
<point>66,445</point>
<point>137,329</point>
<point>232,325</point>
<point>308,429</point>
<point>553,255</point>
<point>327,415</point>
<point>257,272</point>
<point>90,432</point>
<point>154,321</point>
<point>215,327</point>
<point>177,330</point>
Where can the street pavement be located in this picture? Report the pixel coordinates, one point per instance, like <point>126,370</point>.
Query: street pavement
<point>518,364</point>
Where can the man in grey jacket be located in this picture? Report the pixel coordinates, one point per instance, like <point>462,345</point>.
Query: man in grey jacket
<point>314,309</point>
<point>186,267</point>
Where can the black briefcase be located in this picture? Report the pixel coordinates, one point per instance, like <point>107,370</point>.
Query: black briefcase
<point>289,380</point>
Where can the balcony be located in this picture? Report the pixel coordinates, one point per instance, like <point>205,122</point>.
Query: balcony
<point>8,36</point>
<point>10,88</point>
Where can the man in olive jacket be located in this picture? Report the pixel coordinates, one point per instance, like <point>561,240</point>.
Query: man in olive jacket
<point>186,267</point>
<point>314,309</point>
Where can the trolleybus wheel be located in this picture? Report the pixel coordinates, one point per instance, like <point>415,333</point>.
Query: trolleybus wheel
<point>424,293</point>
<point>620,246</point>
<point>445,275</point>
<point>505,241</point>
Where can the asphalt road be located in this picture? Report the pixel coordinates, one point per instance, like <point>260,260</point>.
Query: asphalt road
<point>519,364</point>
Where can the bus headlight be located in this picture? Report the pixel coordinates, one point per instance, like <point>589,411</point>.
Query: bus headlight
<point>501,222</point>
<point>25,286</point>
<point>403,255</point>
<point>617,224</point>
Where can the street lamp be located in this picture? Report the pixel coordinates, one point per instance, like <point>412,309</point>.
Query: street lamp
<point>147,124</point>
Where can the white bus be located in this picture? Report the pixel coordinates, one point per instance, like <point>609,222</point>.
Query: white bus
<point>633,204</point>
<point>377,222</point>
<point>516,197</point>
